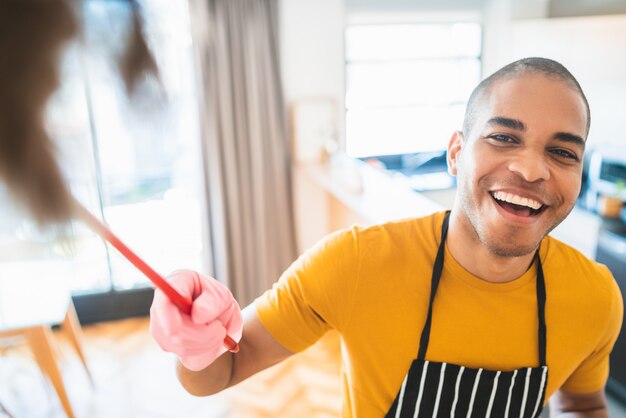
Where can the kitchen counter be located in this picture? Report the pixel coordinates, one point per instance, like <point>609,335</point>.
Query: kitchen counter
<point>374,196</point>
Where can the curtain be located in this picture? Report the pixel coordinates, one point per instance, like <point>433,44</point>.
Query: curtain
<point>245,143</point>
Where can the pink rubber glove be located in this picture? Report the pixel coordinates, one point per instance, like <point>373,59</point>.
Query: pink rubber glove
<point>197,338</point>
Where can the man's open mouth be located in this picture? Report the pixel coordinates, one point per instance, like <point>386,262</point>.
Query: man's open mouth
<point>518,205</point>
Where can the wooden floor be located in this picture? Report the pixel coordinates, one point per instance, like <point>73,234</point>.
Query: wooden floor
<point>134,378</point>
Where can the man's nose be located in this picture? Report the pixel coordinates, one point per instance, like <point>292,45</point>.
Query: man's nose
<point>531,166</point>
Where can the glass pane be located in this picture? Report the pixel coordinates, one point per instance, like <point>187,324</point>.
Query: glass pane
<point>149,148</point>
<point>401,130</point>
<point>412,41</point>
<point>73,256</point>
<point>68,258</point>
<point>434,82</point>
<point>69,125</point>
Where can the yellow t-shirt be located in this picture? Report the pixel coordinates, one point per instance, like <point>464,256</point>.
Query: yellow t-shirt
<point>372,285</point>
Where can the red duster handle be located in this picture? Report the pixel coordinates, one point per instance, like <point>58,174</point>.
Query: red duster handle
<point>181,302</point>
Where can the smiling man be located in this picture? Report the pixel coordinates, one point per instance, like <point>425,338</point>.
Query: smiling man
<point>520,154</point>
<point>474,313</point>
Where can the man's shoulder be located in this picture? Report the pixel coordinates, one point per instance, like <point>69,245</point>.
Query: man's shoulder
<point>559,252</point>
<point>380,236</point>
<point>396,237</point>
<point>575,267</point>
<point>425,225</point>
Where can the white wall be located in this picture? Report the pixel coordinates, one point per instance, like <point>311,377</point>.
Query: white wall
<point>592,48</point>
<point>312,65</point>
<point>498,16</point>
<point>312,52</point>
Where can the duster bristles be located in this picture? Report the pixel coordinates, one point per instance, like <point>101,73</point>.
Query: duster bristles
<point>137,61</point>
<point>32,34</point>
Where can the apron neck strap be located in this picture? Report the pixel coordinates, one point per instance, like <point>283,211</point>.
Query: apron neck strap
<point>434,283</point>
<point>436,277</point>
<point>541,311</point>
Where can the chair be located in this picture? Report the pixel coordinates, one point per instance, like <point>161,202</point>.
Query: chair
<point>5,411</point>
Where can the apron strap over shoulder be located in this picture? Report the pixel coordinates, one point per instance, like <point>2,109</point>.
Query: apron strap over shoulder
<point>541,311</point>
<point>436,276</point>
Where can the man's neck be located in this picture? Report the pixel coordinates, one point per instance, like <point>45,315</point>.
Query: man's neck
<point>474,257</point>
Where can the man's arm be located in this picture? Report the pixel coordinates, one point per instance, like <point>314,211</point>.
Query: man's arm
<point>258,350</point>
<point>564,404</point>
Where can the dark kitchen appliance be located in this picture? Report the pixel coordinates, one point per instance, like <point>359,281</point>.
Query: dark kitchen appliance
<point>423,170</point>
<point>605,174</point>
<point>611,251</point>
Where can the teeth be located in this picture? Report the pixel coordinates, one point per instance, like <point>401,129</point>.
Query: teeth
<point>517,200</point>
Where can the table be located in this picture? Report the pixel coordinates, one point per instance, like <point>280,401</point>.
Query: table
<point>29,308</point>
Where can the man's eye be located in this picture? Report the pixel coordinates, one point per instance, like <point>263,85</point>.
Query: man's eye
<point>565,154</point>
<point>502,138</point>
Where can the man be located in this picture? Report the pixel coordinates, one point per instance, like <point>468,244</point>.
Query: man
<point>472,313</point>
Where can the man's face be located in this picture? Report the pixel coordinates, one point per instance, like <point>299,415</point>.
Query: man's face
<point>519,172</point>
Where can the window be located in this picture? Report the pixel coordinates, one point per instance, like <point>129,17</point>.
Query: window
<point>136,164</point>
<point>407,85</point>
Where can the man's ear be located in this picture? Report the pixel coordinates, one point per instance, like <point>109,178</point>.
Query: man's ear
<point>455,148</point>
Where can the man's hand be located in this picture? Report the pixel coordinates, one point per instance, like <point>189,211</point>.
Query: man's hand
<point>564,404</point>
<point>197,338</point>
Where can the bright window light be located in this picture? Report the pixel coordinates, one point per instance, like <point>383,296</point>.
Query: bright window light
<point>407,85</point>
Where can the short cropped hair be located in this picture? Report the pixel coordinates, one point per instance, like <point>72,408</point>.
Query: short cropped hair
<point>532,65</point>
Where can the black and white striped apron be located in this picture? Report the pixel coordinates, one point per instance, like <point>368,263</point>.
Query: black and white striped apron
<point>442,390</point>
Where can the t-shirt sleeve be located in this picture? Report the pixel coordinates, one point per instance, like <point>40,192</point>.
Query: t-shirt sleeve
<point>593,372</point>
<point>315,294</point>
